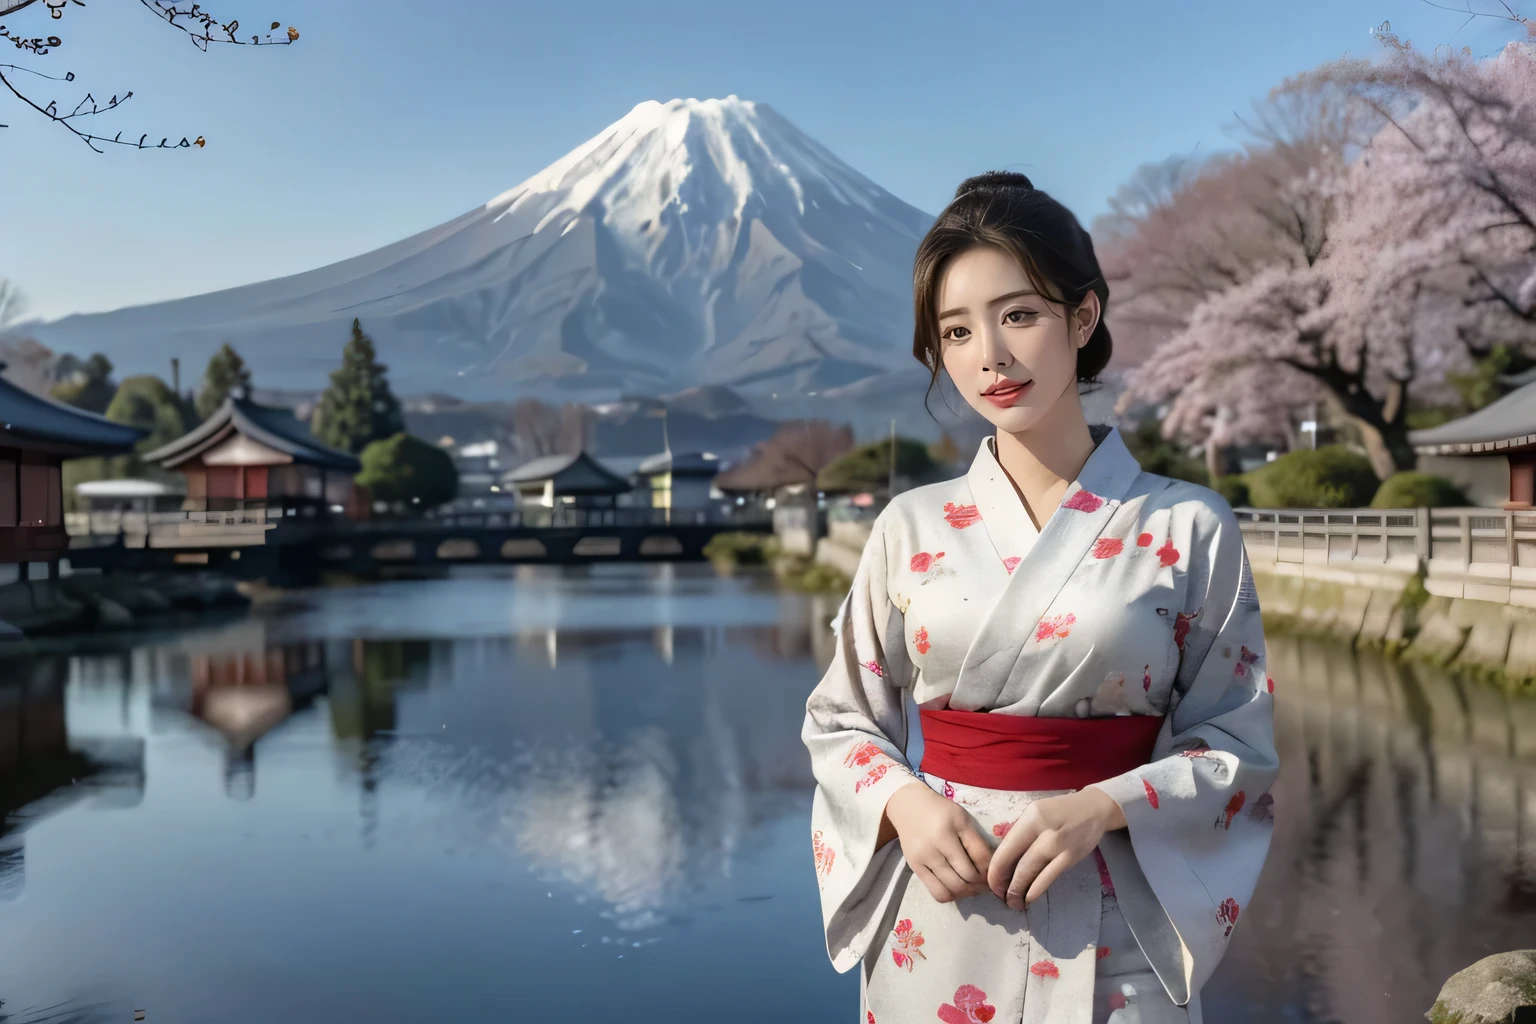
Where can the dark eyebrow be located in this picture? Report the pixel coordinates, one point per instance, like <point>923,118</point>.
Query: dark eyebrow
<point>1001,298</point>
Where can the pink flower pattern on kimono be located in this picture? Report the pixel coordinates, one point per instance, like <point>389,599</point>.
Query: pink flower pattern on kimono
<point>1245,658</point>
<point>949,791</point>
<point>1001,829</point>
<point>1269,682</point>
<point>1226,914</point>
<point>873,776</point>
<point>824,856</point>
<point>862,754</point>
<point>874,666</point>
<point>1151,793</point>
<point>961,516</point>
<point>1083,501</point>
<point>970,1007</point>
<point>868,753</point>
<point>1168,554</point>
<point>1263,809</point>
<point>1108,547</point>
<point>910,943</point>
<point>869,1016</point>
<point>1011,563</point>
<point>1045,969</point>
<point>929,567</point>
<point>1233,806</point>
<point>920,640</point>
<point>1106,884</point>
<point>1144,540</point>
<point>1055,627</point>
<point>1181,625</point>
<point>1146,678</point>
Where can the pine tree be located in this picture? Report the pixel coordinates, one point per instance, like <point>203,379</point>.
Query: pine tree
<point>226,371</point>
<point>358,407</point>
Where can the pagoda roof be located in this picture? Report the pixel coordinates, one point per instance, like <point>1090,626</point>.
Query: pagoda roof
<point>278,429</point>
<point>41,424</point>
<point>572,474</point>
<point>1509,422</point>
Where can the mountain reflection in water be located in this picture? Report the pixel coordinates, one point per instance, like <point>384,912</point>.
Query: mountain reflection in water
<point>585,794</point>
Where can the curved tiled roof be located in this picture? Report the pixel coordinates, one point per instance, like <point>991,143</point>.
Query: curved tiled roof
<point>572,474</point>
<point>31,421</point>
<point>1506,423</point>
<point>278,429</point>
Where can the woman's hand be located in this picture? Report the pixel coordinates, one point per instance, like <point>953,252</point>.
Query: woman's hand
<point>1048,838</point>
<point>940,842</point>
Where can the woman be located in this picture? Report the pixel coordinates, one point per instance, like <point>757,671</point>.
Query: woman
<point>1082,639</point>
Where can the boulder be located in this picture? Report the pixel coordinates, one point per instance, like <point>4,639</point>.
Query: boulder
<point>1500,989</point>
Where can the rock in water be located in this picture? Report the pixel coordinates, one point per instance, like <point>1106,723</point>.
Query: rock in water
<point>111,615</point>
<point>1500,989</point>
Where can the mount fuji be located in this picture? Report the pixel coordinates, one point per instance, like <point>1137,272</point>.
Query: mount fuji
<point>692,243</point>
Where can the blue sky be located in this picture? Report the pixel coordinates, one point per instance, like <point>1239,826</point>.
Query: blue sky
<point>391,116</point>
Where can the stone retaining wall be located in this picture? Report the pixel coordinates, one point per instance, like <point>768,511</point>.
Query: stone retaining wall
<point>1393,611</point>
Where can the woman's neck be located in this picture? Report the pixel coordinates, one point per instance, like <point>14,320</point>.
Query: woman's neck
<point>1042,462</point>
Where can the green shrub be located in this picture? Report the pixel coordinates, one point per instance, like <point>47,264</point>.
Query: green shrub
<point>1411,489</point>
<point>1233,489</point>
<point>729,550</point>
<point>868,467</point>
<point>1332,476</point>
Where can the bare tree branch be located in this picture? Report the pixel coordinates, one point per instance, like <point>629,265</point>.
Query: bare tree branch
<point>200,26</point>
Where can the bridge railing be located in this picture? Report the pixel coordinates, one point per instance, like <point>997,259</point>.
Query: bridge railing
<point>115,524</point>
<point>1486,553</point>
<point>562,518</point>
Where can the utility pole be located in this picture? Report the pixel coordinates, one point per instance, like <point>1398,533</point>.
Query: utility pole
<point>890,486</point>
<point>176,376</point>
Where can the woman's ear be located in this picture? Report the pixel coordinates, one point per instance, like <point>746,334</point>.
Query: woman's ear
<point>1087,317</point>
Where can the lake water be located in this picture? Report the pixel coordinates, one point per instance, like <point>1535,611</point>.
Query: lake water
<point>582,796</point>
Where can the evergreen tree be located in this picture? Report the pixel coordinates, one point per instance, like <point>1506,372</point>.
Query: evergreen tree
<point>406,470</point>
<point>226,371</point>
<point>358,407</point>
<point>85,385</point>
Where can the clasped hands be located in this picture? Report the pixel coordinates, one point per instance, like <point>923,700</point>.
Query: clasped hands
<point>941,843</point>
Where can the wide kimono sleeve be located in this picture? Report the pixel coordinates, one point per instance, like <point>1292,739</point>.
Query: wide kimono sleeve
<point>855,729</point>
<point>1199,815</point>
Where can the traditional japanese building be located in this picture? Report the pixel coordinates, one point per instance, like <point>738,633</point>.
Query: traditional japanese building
<point>566,480</point>
<point>249,455</point>
<point>683,481</point>
<point>36,436</point>
<point>1490,454</point>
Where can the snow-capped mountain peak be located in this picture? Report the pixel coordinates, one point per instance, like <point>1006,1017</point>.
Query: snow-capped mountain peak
<point>693,242</point>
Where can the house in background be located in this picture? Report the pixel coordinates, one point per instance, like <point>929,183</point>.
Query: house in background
<point>247,455</point>
<point>138,496</point>
<point>36,436</point>
<point>578,481</point>
<point>1490,454</point>
<point>680,481</point>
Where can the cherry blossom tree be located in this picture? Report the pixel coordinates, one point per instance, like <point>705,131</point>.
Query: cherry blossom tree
<point>200,26</point>
<point>1418,257</point>
<point>1184,235</point>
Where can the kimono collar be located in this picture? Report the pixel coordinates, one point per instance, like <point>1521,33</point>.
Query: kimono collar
<point>1108,475</point>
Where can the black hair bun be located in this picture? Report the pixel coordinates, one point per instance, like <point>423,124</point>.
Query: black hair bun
<point>993,181</point>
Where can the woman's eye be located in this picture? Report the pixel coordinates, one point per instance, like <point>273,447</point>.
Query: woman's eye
<point>957,333</point>
<point>1023,315</point>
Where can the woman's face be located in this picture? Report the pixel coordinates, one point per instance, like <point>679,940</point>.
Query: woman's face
<point>1011,351</point>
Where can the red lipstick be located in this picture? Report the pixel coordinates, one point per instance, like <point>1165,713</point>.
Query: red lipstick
<point>1004,392</point>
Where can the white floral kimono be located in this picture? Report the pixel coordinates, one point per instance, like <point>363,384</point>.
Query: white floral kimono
<point>1135,598</point>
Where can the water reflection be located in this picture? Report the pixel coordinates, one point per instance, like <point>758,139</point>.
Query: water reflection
<point>599,779</point>
<point>1405,844</point>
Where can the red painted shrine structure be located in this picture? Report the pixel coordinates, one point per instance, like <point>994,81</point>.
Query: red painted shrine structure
<point>36,435</point>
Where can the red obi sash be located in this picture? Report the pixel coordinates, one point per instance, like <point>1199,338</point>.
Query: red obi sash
<point>1023,752</point>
